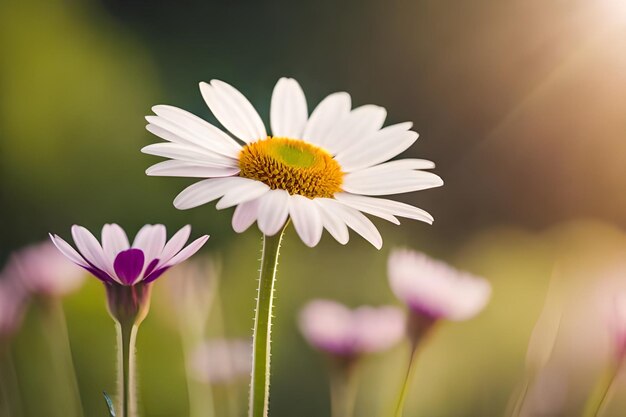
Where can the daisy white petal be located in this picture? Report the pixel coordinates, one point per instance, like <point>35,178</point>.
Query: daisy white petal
<point>390,183</point>
<point>392,207</point>
<point>333,223</point>
<point>273,211</point>
<point>379,147</point>
<point>245,190</point>
<point>233,110</point>
<point>204,191</point>
<point>361,123</point>
<point>363,206</point>
<point>91,250</point>
<point>174,168</point>
<point>306,219</point>
<point>189,153</point>
<point>245,214</point>
<point>325,118</point>
<point>204,133</point>
<point>114,240</point>
<point>288,110</point>
<point>356,221</point>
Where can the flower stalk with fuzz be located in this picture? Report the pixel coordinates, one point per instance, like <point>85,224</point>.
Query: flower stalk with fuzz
<point>127,272</point>
<point>320,171</point>
<point>432,290</point>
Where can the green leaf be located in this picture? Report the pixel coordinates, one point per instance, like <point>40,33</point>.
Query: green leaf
<point>109,404</point>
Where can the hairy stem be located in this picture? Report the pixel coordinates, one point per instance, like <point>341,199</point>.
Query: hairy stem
<point>260,380</point>
<point>126,337</point>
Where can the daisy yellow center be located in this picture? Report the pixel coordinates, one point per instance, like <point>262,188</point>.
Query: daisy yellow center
<point>292,165</point>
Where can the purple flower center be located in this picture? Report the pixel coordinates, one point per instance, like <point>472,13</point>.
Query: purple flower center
<point>128,265</point>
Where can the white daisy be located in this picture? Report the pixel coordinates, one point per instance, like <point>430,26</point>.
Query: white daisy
<point>322,170</point>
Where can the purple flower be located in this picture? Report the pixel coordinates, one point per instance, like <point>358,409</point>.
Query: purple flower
<point>127,270</point>
<point>434,290</point>
<point>41,270</point>
<point>222,361</point>
<point>335,329</point>
<point>118,262</point>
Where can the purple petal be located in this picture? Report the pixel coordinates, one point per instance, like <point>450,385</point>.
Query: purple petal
<point>155,275</point>
<point>151,266</point>
<point>128,265</point>
<point>101,275</point>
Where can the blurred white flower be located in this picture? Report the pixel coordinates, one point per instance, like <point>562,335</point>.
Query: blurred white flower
<point>434,289</point>
<point>191,289</point>
<point>335,329</point>
<point>619,326</point>
<point>222,361</point>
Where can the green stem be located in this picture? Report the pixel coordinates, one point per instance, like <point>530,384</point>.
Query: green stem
<point>598,400</point>
<point>201,402</point>
<point>410,373</point>
<point>260,380</point>
<point>520,399</point>
<point>126,337</point>
<point>54,326</point>
<point>342,389</point>
<point>10,396</point>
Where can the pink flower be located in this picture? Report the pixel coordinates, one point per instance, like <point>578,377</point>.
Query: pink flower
<point>335,329</point>
<point>118,262</point>
<point>222,361</point>
<point>42,270</point>
<point>12,306</point>
<point>435,290</point>
<point>127,270</point>
<point>619,326</point>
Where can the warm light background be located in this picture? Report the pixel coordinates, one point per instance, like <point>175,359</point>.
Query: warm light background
<point>521,103</point>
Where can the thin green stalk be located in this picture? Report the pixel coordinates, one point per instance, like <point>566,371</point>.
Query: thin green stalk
<point>126,337</point>
<point>260,380</point>
<point>520,399</point>
<point>10,397</point>
<point>54,326</point>
<point>410,373</point>
<point>343,389</point>
<point>600,396</point>
<point>201,401</point>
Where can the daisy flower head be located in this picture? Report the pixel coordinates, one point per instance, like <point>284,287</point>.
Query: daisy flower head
<point>340,332</point>
<point>435,290</point>
<point>128,270</point>
<point>322,170</point>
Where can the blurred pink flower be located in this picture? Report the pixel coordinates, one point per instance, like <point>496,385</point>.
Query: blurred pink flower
<point>12,306</point>
<point>335,329</point>
<point>619,326</point>
<point>435,290</point>
<point>222,361</point>
<point>41,270</point>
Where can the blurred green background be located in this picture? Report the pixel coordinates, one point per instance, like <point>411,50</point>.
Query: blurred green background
<point>520,103</point>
